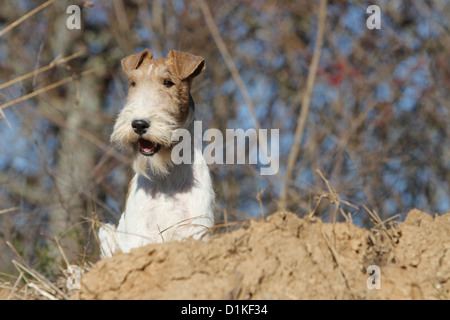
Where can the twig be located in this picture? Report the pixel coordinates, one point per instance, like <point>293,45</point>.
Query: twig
<point>63,254</point>
<point>333,197</point>
<point>15,251</point>
<point>62,122</point>
<point>228,60</point>
<point>233,69</point>
<point>381,223</point>
<point>11,293</point>
<point>305,105</point>
<point>8,210</point>
<point>42,291</point>
<point>39,278</point>
<point>45,89</point>
<point>25,17</point>
<point>3,116</point>
<point>258,197</point>
<point>336,258</point>
<point>43,69</point>
<point>121,16</point>
<point>63,246</point>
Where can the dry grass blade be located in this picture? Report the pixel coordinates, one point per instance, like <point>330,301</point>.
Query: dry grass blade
<point>94,225</point>
<point>380,223</point>
<point>25,17</point>
<point>63,254</point>
<point>23,270</point>
<point>258,197</point>
<point>60,246</point>
<point>14,251</point>
<point>42,291</point>
<point>334,198</point>
<point>231,65</point>
<point>3,116</point>
<point>40,278</point>
<point>185,222</point>
<point>13,289</point>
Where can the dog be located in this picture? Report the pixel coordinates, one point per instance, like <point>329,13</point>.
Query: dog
<point>165,201</point>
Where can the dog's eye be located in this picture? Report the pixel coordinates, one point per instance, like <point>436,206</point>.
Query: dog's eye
<point>168,83</point>
<point>132,83</point>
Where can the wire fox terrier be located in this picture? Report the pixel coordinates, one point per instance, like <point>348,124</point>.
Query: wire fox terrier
<point>165,202</point>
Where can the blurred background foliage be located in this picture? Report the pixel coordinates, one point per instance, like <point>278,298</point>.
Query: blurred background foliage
<point>376,136</point>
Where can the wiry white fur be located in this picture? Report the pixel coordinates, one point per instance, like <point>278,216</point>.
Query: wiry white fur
<point>173,209</point>
<point>160,131</point>
<point>166,202</point>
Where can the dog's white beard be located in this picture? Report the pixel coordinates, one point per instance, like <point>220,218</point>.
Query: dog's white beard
<point>157,165</point>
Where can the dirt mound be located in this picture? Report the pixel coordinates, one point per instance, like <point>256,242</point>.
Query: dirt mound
<point>286,257</point>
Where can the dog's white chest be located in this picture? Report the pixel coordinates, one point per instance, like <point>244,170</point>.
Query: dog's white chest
<point>159,216</point>
<point>155,215</point>
<point>168,200</point>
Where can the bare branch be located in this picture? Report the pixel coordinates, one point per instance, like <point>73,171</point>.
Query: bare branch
<point>25,17</point>
<point>45,89</point>
<point>43,69</point>
<point>305,105</point>
<point>228,60</point>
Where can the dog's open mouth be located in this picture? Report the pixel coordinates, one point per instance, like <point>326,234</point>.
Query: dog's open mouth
<point>148,148</point>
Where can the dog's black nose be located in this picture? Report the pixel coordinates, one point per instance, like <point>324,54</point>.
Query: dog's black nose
<point>140,126</point>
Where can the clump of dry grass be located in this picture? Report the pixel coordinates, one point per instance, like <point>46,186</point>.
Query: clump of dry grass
<point>30,284</point>
<point>26,16</point>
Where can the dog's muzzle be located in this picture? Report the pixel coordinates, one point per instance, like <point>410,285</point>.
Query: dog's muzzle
<point>147,147</point>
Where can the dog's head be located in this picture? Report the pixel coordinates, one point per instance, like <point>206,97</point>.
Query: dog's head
<point>158,103</point>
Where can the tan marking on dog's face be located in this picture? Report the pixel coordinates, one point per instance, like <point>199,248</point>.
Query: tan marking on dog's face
<point>159,95</point>
<point>168,91</point>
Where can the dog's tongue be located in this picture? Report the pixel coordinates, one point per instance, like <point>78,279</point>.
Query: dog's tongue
<point>146,146</point>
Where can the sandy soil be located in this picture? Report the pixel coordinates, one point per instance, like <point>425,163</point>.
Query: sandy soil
<point>286,257</point>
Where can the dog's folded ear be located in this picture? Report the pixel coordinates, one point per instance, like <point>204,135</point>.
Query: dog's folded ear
<point>186,65</point>
<point>132,62</point>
